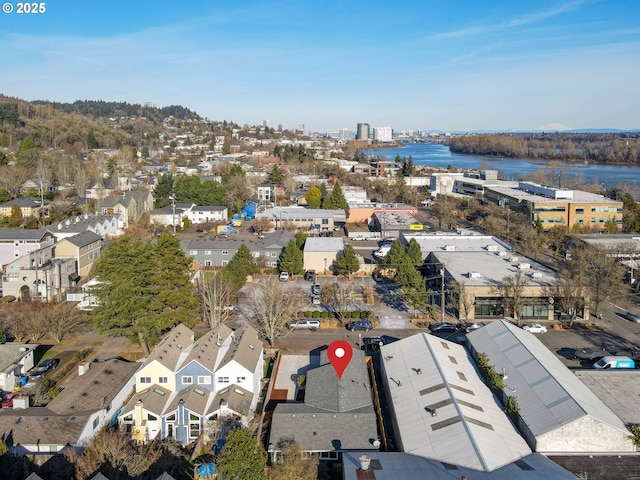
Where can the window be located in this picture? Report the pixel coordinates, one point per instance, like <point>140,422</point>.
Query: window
<point>224,263</point>
<point>171,417</point>
<point>96,421</point>
<point>241,380</point>
<point>193,252</point>
<point>151,417</point>
<point>204,380</point>
<point>328,455</point>
<point>579,210</point>
<point>325,221</point>
<point>194,429</point>
<point>274,254</point>
<point>207,263</point>
<point>223,379</point>
<point>187,380</point>
<point>145,379</point>
<point>225,252</point>
<point>163,380</point>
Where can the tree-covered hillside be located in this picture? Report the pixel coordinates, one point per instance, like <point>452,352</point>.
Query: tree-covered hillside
<point>102,109</point>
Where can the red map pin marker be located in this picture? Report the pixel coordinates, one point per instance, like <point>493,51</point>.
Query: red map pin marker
<point>339,354</point>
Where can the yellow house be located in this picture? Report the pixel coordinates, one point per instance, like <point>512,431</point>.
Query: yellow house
<point>85,247</point>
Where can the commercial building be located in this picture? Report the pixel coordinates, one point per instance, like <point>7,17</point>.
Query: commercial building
<point>558,206</point>
<point>320,253</point>
<point>362,131</point>
<point>312,220</point>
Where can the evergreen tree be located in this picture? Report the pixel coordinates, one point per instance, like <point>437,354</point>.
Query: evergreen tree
<point>412,284</point>
<point>301,237</point>
<point>414,252</point>
<point>242,458</point>
<point>314,197</point>
<point>396,254</point>
<point>291,259</point>
<point>234,274</point>
<point>172,293</point>
<point>347,262</point>
<point>336,200</point>
<point>163,190</point>
<point>246,258</point>
<point>226,146</point>
<point>275,175</point>
<point>144,289</point>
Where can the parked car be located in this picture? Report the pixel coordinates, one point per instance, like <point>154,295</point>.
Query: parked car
<point>633,316</point>
<point>7,400</point>
<point>590,353</point>
<point>305,324</point>
<point>315,289</point>
<point>315,300</point>
<point>470,327</point>
<point>443,327</point>
<point>360,325</point>
<point>44,368</point>
<point>284,276</point>
<point>310,276</point>
<point>535,328</point>
<point>373,343</point>
<point>611,362</point>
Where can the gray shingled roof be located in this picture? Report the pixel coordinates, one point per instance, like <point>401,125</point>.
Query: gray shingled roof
<point>205,350</point>
<point>246,348</point>
<point>83,239</point>
<point>171,347</point>
<point>336,414</point>
<point>23,233</point>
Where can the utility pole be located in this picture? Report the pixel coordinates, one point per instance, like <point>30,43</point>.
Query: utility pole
<point>442,293</point>
<point>173,209</point>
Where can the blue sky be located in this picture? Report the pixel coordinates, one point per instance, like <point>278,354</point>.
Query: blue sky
<point>430,64</point>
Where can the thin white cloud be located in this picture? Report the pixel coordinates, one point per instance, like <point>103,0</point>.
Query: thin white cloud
<point>528,19</point>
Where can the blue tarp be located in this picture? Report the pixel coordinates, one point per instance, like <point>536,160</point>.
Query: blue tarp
<point>207,469</point>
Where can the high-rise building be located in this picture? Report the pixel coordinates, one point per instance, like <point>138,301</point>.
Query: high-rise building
<point>346,134</point>
<point>362,131</point>
<point>383,134</point>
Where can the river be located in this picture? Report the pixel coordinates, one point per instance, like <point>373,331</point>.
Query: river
<point>435,155</point>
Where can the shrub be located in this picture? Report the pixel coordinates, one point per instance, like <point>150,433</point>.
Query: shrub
<point>324,314</point>
<point>316,314</point>
<point>332,314</point>
<point>512,409</point>
<point>355,314</point>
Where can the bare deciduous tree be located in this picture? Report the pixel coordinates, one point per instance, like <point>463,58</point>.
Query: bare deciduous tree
<point>466,300</point>
<point>268,308</point>
<point>62,319</point>
<point>216,301</point>
<point>512,291</point>
<point>293,464</point>
<point>339,297</point>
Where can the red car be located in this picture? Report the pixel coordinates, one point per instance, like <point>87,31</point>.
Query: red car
<point>7,400</point>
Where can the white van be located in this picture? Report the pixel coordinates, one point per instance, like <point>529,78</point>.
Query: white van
<point>305,324</point>
<point>614,362</point>
<point>382,251</point>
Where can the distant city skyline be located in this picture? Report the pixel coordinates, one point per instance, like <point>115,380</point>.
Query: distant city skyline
<point>462,65</point>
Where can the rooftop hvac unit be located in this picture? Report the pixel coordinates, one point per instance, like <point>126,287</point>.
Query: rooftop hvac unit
<point>514,259</point>
<point>449,248</point>
<point>536,275</point>
<point>474,275</point>
<point>524,266</point>
<point>502,253</point>
<point>492,248</point>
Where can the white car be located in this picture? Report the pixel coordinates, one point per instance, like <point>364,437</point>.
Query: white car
<point>535,328</point>
<point>284,276</point>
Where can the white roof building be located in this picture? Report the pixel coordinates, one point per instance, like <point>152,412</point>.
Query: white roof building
<point>441,408</point>
<point>558,413</point>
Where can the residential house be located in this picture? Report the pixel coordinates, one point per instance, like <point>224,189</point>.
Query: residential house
<point>39,276</point>
<point>14,243</point>
<point>337,415</point>
<point>29,207</point>
<point>217,252</point>
<point>107,226</point>
<point>16,359</point>
<point>99,189</point>
<point>206,214</point>
<point>557,413</point>
<point>187,387</point>
<point>74,416</point>
<point>84,247</point>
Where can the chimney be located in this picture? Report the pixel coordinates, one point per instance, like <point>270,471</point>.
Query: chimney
<point>365,461</point>
<point>83,367</point>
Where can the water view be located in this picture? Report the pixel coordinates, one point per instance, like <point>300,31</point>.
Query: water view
<point>440,156</point>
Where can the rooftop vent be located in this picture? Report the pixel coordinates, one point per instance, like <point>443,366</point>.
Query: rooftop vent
<point>514,259</point>
<point>474,275</point>
<point>536,275</point>
<point>492,248</point>
<point>450,248</point>
<point>502,253</point>
<point>524,266</point>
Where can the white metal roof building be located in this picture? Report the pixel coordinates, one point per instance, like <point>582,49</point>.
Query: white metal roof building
<point>442,409</point>
<point>558,413</point>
